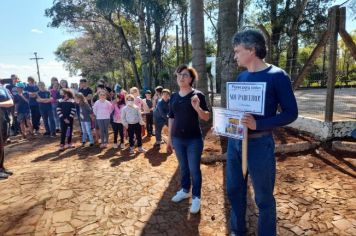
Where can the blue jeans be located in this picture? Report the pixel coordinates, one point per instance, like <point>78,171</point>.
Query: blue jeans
<point>158,128</point>
<point>262,170</point>
<point>47,117</point>
<point>188,152</point>
<point>55,115</point>
<point>86,131</point>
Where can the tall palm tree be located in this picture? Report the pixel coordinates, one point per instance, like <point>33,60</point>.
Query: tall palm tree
<point>198,43</point>
<point>227,27</point>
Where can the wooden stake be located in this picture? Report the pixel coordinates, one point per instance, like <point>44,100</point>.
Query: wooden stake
<point>244,152</point>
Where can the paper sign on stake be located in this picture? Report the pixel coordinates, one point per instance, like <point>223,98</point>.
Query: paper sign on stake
<point>247,97</point>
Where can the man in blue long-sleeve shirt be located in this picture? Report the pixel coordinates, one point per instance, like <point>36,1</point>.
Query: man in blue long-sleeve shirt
<point>249,51</point>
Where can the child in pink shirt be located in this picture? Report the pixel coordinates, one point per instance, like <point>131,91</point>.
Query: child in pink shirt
<point>102,110</point>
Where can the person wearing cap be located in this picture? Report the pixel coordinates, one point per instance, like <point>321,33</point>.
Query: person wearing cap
<point>148,112</point>
<point>157,96</point>
<point>5,103</point>
<point>22,109</point>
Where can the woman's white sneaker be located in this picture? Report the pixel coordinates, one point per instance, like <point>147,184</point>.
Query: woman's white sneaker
<point>195,207</point>
<point>180,195</point>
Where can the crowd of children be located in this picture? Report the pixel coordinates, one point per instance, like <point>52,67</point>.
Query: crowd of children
<point>127,113</point>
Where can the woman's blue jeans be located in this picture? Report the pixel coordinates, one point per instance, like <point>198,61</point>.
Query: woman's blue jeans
<point>188,152</point>
<point>262,170</point>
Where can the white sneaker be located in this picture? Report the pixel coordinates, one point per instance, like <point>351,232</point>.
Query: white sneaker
<point>132,150</point>
<point>142,150</point>
<point>180,195</point>
<point>122,146</point>
<point>114,145</point>
<point>195,207</point>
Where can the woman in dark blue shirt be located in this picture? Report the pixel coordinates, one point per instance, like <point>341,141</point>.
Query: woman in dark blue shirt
<point>185,136</point>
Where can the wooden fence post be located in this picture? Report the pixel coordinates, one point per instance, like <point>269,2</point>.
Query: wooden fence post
<point>333,28</point>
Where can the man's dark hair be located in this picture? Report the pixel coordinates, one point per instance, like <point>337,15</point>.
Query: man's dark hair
<point>83,80</point>
<point>249,39</point>
<point>30,78</point>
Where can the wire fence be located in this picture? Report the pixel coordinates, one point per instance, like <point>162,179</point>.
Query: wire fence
<point>311,94</point>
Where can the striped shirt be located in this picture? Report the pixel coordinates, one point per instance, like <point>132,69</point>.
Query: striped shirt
<point>66,109</point>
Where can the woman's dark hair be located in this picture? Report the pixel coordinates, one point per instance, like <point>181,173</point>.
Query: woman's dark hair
<point>250,39</point>
<point>63,81</point>
<point>121,96</point>
<point>192,72</point>
<point>68,92</point>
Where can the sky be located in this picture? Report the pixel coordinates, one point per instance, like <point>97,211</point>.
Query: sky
<point>24,30</point>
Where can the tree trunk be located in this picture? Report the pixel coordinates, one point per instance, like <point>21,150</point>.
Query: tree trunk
<point>177,45</point>
<point>158,52</point>
<point>143,50</point>
<point>240,20</point>
<point>131,56</point>
<point>198,44</point>
<point>186,31</point>
<point>218,57</point>
<point>268,42</point>
<point>292,51</point>
<point>149,47</point>
<point>182,36</point>
<point>277,24</point>
<point>228,27</point>
<point>295,48</point>
<point>123,72</point>
<point>275,37</point>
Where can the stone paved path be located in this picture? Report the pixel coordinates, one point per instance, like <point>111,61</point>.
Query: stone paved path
<point>88,191</point>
